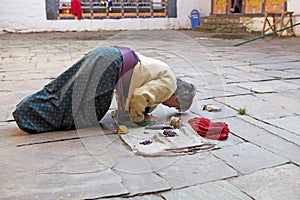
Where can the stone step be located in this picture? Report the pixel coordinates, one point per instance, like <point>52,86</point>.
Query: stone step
<point>221,25</point>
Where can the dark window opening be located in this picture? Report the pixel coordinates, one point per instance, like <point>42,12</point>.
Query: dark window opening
<point>104,9</point>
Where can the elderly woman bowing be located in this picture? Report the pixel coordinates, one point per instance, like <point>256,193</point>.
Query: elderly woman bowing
<point>82,95</point>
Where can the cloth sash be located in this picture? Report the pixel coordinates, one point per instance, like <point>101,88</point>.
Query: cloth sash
<point>130,59</point>
<point>208,129</point>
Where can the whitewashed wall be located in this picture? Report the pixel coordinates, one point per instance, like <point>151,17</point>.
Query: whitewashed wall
<point>294,5</point>
<point>256,23</point>
<point>30,16</point>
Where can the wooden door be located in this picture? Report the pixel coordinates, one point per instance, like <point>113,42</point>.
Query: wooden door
<point>253,6</point>
<point>275,5</point>
<point>219,7</point>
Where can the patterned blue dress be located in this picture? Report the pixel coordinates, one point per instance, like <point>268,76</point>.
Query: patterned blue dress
<point>79,97</point>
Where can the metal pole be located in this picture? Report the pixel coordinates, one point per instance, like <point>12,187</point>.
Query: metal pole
<point>265,35</point>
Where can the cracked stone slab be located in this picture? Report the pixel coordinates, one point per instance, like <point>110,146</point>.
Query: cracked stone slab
<point>61,157</point>
<point>6,112</point>
<point>292,93</point>
<point>295,69</point>
<point>260,109</point>
<point>194,169</point>
<point>249,68</point>
<point>62,185</point>
<point>290,104</point>
<point>228,63</point>
<point>25,139</point>
<point>137,174</point>
<point>277,183</point>
<point>279,74</point>
<point>287,123</point>
<point>26,75</point>
<point>197,108</point>
<point>275,60</point>
<point>60,169</point>
<point>264,138</point>
<point>219,90</point>
<point>279,66</point>
<point>23,88</point>
<point>268,86</point>
<point>143,183</point>
<point>144,197</point>
<point>227,89</point>
<point>212,190</point>
<point>208,79</point>
<point>241,76</point>
<point>247,157</point>
<point>273,128</point>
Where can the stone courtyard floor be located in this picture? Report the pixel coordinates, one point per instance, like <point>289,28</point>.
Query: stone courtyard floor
<point>259,160</point>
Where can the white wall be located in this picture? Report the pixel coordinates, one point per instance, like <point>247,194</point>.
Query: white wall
<point>30,16</point>
<point>293,5</point>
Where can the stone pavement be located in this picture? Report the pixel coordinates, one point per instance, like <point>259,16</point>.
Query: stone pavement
<point>259,160</point>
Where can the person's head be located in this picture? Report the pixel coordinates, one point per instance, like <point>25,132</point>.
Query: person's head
<point>183,97</point>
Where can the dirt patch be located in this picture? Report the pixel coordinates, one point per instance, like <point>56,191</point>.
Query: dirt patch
<point>229,36</point>
<point>226,36</point>
<point>93,35</point>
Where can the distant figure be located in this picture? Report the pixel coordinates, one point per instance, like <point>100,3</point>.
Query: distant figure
<point>237,6</point>
<point>76,8</point>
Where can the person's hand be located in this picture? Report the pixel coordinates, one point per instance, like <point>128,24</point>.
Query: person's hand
<point>137,106</point>
<point>150,118</point>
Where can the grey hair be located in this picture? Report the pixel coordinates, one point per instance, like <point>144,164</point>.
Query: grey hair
<point>186,93</point>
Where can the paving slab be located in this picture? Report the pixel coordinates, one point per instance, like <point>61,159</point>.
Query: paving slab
<point>226,90</point>
<point>256,107</point>
<point>249,68</point>
<point>212,190</point>
<point>275,59</point>
<point>200,170</point>
<point>290,104</point>
<point>279,74</point>
<point>208,79</point>
<point>143,183</point>
<point>21,138</point>
<point>278,183</point>
<point>292,93</point>
<point>144,197</point>
<point>229,63</point>
<point>67,169</point>
<point>23,86</point>
<point>61,185</point>
<point>278,66</point>
<point>287,123</point>
<point>242,76</point>
<point>264,138</point>
<point>274,129</point>
<point>268,86</point>
<point>197,108</point>
<point>247,157</point>
<point>93,163</point>
<point>294,70</point>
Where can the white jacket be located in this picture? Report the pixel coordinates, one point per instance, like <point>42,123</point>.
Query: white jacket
<point>152,83</point>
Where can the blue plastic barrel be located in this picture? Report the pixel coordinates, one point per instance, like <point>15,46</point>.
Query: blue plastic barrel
<point>195,18</point>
